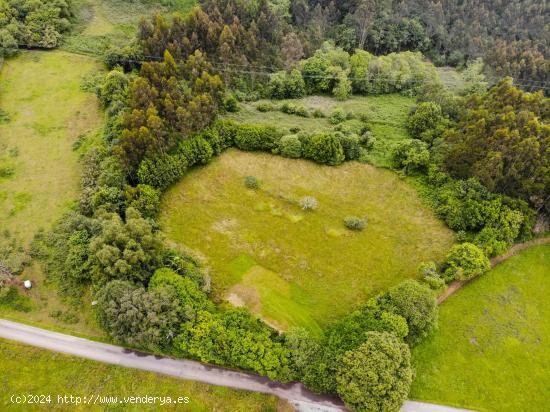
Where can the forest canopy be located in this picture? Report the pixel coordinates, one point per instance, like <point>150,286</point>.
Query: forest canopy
<point>33,23</point>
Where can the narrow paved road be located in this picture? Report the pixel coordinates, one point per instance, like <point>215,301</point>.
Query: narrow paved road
<point>295,393</point>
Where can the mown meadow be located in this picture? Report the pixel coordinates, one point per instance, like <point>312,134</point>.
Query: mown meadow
<point>491,350</point>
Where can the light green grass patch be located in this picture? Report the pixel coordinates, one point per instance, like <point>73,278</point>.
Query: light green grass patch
<point>28,370</point>
<point>212,214</point>
<point>273,299</point>
<point>491,350</point>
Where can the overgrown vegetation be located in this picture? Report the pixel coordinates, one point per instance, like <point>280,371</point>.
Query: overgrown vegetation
<point>30,24</point>
<point>480,158</point>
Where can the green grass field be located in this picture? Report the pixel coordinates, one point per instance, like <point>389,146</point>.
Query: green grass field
<point>386,116</point>
<point>491,350</point>
<point>297,267</point>
<point>104,23</point>
<point>48,112</point>
<point>26,370</point>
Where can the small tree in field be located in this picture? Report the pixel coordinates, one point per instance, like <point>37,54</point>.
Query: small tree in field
<point>377,375</point>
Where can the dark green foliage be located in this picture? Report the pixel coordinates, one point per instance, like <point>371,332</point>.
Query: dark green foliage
<point>323,148</point>
<point>194,151</point>
<point>190,299</point>
<point>354,223</point>
<point>290,146</point>
<point>284,85</point>
<point>465,261</point>
<point>66,254</point>
<point>426,122</point>
<point>466,205</point>
<point>168,99</point>
<point>377,375</point>
<point>255,137</point>
<point>416,303</point>
<point>502,139</point>
<point>10,298</point>
<point>234,338</point>
<point>351,145</point>
<point>230,104</point>
<point>251,182</point>
<point>145,199</point>
<point>130,314</point>
<point>449,32</point>
<point>162,171</point>
<point>412,156</point>
<point>218,140</point>
<point>125,250</point>
<point>316,360</point>
<point>39,23</point>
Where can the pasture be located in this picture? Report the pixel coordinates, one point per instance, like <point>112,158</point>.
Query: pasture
<point>294,266</point>
<point>491,350</point>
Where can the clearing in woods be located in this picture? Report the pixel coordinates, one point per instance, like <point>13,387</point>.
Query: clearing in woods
<point>293,266</point>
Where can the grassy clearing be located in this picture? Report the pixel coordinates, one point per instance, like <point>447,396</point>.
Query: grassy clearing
<point>386,116</point>
<point>48,112</point>
<point>297,267</point>
<point>491,350</point>
<point>28,370</point>
<point>104,23</point>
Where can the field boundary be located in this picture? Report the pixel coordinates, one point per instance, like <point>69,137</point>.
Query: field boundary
<point>497,260</point>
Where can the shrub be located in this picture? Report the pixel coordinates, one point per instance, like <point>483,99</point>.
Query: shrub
<point>351,145</point>
<point>354,223</point>
<point>195,151</point>
<point>290,146</point>
<point>377,375</point>
<point>342,89</point>
<point>338,115</point>
<point>416,303</point>
<point>265,107</point>
<point>411,156</point>
<point>288,108</point>
<point>426,116</point>
<point>308,203</point>
<point>235,338</point>
<point>301,111</point>
<point>251,182</point>
<point>230,104</point>
<point>145,199</point>
<point>323,148</point>
<point>255,137</point>
<point>131,315</point>
<point>317,113</point>
<point>430,276</point>
<point>283,85</point>
<point>465,261</point>
<point>162,171</point>
<point>190,299</point>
